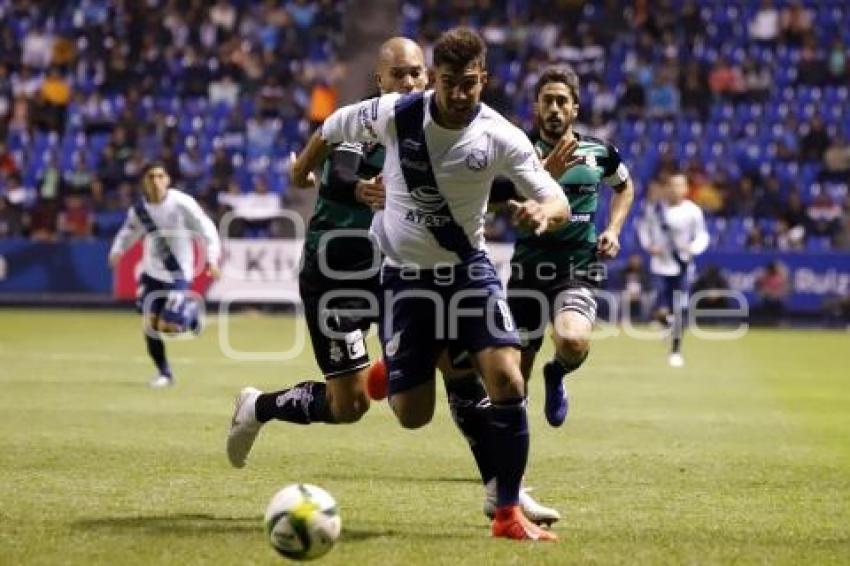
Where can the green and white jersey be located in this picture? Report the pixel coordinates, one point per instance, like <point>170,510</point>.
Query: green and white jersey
<point>337,208</point>
<point>573,246</point>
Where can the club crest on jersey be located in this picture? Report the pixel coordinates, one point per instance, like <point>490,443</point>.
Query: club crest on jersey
<point>590,160</point>
<point>477,159</point>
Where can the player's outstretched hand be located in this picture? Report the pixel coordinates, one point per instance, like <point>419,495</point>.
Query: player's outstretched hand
<point>608,244</point>
<point>371,192</point>
<point>213,270</point>
<point>530,215</point>
<point>113,260</point>
<point>297,178</point>
<point>561,158</point>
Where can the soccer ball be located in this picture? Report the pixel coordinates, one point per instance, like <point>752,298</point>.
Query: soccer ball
<point>302,521</point>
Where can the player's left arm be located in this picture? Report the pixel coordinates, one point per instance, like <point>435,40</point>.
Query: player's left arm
<point>365,121</point>
<point>701,238</point>
<point>201,224</point>
<point>616,175</point>
<point>131,230</point>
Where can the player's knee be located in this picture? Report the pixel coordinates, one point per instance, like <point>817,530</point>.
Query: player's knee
<point>573,347</point>
<point>352,410</point>
<point>413,419</point>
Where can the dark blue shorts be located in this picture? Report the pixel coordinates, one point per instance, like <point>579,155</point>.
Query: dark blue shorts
<point>425,310</point>
<point>167,300</point>
<point>666,287</point>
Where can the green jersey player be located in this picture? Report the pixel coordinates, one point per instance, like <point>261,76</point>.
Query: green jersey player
<point>554,274</point>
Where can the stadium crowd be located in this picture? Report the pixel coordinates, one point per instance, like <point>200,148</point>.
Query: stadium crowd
<point>750,99</point>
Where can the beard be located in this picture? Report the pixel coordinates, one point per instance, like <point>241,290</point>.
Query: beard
<point>554,128</point>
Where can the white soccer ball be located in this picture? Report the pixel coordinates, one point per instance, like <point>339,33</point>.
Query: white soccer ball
<point>302,521</point>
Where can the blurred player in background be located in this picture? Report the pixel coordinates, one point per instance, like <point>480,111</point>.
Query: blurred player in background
<point>350,190</point>
<point>563,265</point>
<point>673,232</point>
<point>443,150</point>
<point>169,220</point>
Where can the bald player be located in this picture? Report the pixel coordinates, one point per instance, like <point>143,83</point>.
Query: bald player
<point>337,243</point>
<point>350,190</point>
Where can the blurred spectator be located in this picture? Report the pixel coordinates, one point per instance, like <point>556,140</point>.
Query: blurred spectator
<point>764,27</point>
<point>757,81</point>
<point>50,180</point>
<point>6,98</point>
<point>17,193</point>
<point>842,239</point>
<point>634,284</point>
<point>11,219</point>
<point>788,237</point>
<point>110,169</point>
<point>824,216</point>
<point>812,67</point>
<point>76,219</point>
<point>223,15</point>
<point>755,240</point>
<point>192,167</point>
<point>42,219</point>
<point>836,161</point>
<point>786,136</point>
<point>221,168</point>
<point>815,142</point>
<point>55,97</point>
<point>224,90</point>
<point>79,179</point>
<point>713,288</point>
<point>691,22</point>
<point>742,200</point>
<point>322,102</point>
<point>633,99</point>
<point>600,128</point>
<point>837,65</point>
<point>25,83</point>
<point>796,23</point>
<point>725,80</point>
<point>603,102</point>
<point>694,88</point>
<point>769,202</point>
<point>794,212</point>
<point>98,114</point>
<point>8,164</point>
<point>495,95</point>
<point>256,212</point>
<point>37,48</point>
<point>772,289</point>
<point>663,97</point>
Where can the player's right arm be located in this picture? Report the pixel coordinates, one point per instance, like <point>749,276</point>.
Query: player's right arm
<point>130,231</point>
<point>546,207</point>
<point>364,121</point>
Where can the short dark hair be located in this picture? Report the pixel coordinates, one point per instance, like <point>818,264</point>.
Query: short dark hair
<point>458,47</point>
<point>156,163</point>
<point>559,74</point>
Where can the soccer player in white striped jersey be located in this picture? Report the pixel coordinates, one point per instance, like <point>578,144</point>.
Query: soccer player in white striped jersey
<point>673,233</point>
<point>169,220</point>
<point>444,148</point>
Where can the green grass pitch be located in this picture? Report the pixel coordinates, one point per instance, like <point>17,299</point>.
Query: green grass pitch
<point>741,457</point>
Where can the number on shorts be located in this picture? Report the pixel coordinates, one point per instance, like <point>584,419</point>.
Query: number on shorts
<point>507,318</point>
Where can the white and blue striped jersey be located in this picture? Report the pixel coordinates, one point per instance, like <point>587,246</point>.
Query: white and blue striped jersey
<point>462,162</point>
<point>687,235</point>
<point>179,220</point>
